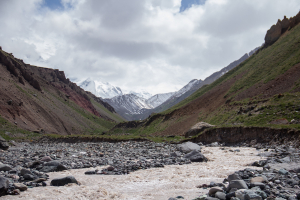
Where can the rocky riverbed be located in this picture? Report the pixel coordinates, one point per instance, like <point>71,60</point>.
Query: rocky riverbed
<point>145,170</point>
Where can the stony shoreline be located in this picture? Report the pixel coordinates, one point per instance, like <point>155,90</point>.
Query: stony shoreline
<point>26,165</point>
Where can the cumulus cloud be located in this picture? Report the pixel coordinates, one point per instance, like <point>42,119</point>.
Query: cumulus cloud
<point>138,44</point>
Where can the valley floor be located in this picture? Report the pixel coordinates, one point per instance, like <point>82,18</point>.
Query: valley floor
<point>153,183</point>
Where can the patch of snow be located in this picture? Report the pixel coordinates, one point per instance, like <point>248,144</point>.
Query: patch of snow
<point>100,89</point>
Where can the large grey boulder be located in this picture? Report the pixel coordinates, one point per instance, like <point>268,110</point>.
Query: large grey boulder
<point>198,128</point>
<point>233,176</point>
<point>53,166</point>
<point>238,184</point>
<point>4,167</point>
<point>196,156</point>
<point>63,181</point>
<point>4,183</point>
<point>187,147</point>
<point>3,144</point>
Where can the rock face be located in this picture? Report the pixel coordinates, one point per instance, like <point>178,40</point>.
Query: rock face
<point>274,33</point>
<point>198,128</point>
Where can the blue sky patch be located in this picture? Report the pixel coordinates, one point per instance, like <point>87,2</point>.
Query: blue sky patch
<point>186,4</point>
<point>55,5</point>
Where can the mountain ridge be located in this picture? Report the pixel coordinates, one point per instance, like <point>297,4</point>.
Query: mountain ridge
<point>43,101</point>
<point>262,91</point>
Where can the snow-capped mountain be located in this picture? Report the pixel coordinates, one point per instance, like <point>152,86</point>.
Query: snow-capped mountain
<point>133,107</point>
<point>100,89</point>
<point>142,93</point>
<point>158,99</point>
<point>187,87</point>
<point>128,104</point>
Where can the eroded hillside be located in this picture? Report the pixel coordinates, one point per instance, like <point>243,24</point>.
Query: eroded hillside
<point>36,100</point>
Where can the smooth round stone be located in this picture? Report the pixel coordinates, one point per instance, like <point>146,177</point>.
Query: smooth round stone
<point>239,184</point>
<point>252,196</point>
<point>257,179</point>
<point>220,195</point>
<point>260,185</point>
<point>212,191</point>
<point>5,168</point>
<point>90,172</point>
<point>283,172</point>
<point>20,186</point>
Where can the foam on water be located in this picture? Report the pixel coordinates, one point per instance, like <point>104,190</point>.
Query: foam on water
<point>155,183</point>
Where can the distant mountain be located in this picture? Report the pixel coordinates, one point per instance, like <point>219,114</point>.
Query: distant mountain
<point>158,99</point>
<point>193,86</point>
<point>143,94</point>
<point>133,107</point>
<point>128,104</point>
<point>100,89</point>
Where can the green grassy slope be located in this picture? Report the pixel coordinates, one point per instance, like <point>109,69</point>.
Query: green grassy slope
<point>270,65</point>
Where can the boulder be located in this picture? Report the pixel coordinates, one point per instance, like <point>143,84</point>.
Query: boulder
<point>4,184</point>
<point>175,154</point>
<point>273,34</point>
<point>20,186</point>
<point>46,159</point>
<point>238,184</point>
<point>258,179</point>
<point>198,128</point>
<point>3,144</point>
<point>187,147</point>
<point>25,171</point>
<point>252,196</point>
<point>196,156</point>
<point>220,195</point>
<point>212,191</point>
<point>63,181</point>
<point>5,168</point>
<point>234,176</point>
<point>53,166</point>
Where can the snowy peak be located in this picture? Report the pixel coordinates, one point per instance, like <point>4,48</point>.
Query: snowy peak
<point>100,89</point>
<point>129,103</point>
<point>143,94</point>
<point>187,87</point>
<point>158,99</point>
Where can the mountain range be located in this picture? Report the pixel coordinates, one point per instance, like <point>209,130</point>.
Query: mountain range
<point>139,105</point>
<point>173,98</point>
<point>256,94</point>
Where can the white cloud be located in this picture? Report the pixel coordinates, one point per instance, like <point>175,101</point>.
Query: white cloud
<point>138,44</point>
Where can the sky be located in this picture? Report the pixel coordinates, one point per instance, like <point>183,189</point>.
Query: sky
<point>152,45</point>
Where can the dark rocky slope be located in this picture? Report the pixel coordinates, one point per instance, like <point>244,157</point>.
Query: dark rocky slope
<point>43,100</point>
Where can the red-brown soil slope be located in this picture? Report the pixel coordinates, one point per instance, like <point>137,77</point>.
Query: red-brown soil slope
<point>45,101</point>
